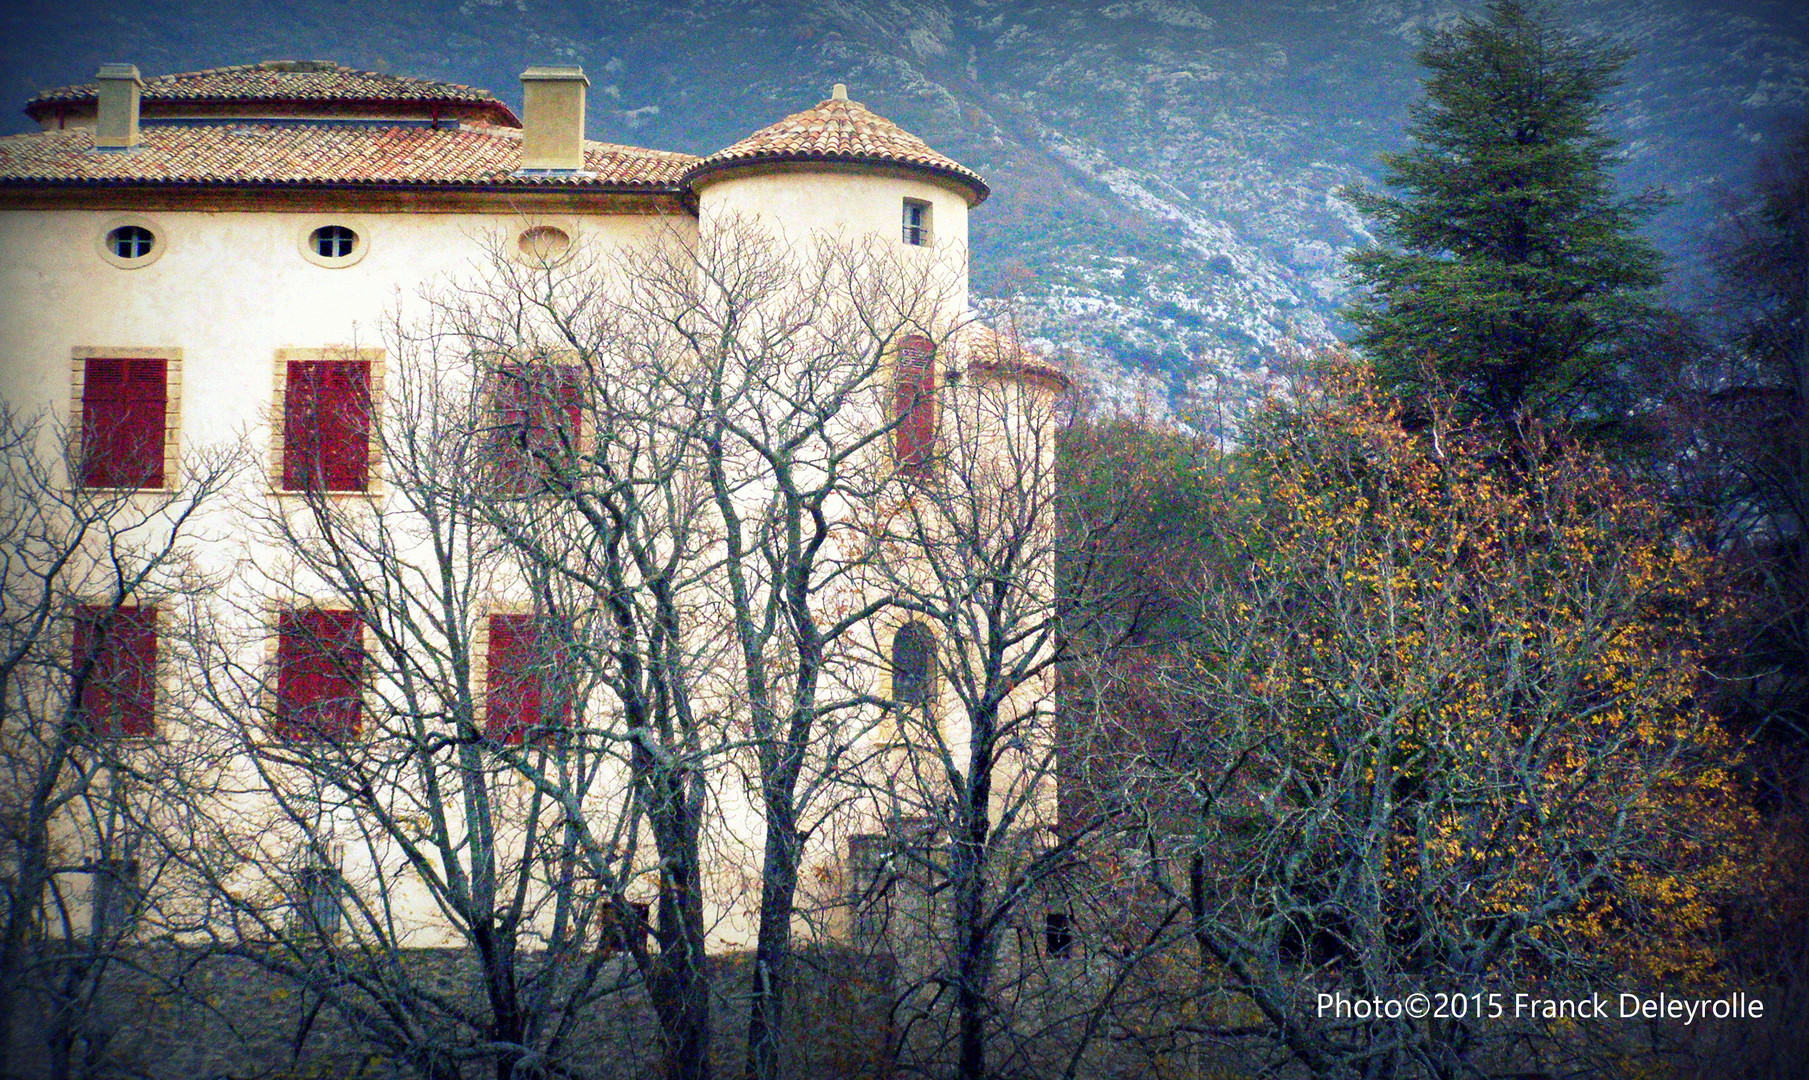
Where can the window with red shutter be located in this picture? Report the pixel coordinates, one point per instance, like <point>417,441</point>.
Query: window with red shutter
<point>319,673</point>
<point>327,425</point>
<point>914,404</point>
<point>124,404</point>
<point>114,670</point>
<point>520,689</point>
<point>538,413</point>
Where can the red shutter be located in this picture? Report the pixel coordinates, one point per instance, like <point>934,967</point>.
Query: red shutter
<point>319,673</point>
<point>123,415</point>
<point>538,412</point>
<point>511,400</point>
<point>568,398</point>
<point>327,425</point>
<point>513,700</point>
<point>914,404</point>
<point>519,660</point>
<point>119,651</point>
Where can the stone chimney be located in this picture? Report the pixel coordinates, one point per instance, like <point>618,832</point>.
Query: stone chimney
<point>552,118</point>
<point>116,121</point>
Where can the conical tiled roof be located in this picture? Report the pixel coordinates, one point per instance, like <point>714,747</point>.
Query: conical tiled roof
<point>839,130</point>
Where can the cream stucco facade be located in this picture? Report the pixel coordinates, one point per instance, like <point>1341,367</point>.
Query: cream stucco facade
<point>238,285</point>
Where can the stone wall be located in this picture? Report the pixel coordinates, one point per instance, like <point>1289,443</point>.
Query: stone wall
<point>172,1014</point>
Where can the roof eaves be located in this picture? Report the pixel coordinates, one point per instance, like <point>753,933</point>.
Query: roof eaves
<point>387,184</point>
<point>966,178</point>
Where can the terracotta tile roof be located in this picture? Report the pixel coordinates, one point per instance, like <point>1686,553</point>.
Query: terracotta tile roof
<point>283,80</point>
<point>839,130</point>
<point>279,153</point>
<point>984,350</point>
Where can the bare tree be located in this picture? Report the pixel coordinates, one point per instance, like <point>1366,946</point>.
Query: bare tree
<point>791,349</point>
<point>641,450</point>
<point>971,538</point>
<point>1435,729</point>
<point>417,814</point>
<point>92,580</point>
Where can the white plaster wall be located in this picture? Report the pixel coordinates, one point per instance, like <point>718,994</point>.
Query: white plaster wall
<point>853,206</point>
<point>231,289</point>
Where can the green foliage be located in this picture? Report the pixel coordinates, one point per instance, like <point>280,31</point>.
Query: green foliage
<point>1516,283</point>
<point>1147,495</point>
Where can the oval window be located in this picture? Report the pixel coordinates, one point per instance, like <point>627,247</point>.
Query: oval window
<point>543,243</point>
<point>131,241</point>
<point>333,241</point>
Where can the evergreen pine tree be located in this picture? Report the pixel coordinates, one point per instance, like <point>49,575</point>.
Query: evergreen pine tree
<point>1516,282</point>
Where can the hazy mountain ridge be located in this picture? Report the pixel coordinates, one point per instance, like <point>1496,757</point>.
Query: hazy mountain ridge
<point>1164,169</point>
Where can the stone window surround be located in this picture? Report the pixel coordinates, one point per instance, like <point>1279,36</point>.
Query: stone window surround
<point>373,487</point>
<point>172,409</point>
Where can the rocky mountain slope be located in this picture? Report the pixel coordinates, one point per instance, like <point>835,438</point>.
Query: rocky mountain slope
<point>1165,170</point>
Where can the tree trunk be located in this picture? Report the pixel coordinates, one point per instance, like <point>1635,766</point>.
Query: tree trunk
<point>974,963</point>
<point>679,979</point>
<point>772,950</point>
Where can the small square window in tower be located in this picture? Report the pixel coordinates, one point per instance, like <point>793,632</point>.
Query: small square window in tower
<point>124,403</point>
<point>916,222</point>
<point>522,663</point>
<point>539,409</point>
<point>319,675</point>
<point>914,404</point>
<point>327,425</point>
<point>114,665</point>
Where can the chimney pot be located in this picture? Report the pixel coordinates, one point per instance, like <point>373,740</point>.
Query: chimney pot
<point>840,93</point>
<point>552,118</point>
<point>116,113</point>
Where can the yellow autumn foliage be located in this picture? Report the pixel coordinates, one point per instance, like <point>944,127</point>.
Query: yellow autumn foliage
<point>1453,688</point>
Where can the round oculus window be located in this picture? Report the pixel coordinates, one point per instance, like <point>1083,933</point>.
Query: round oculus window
<point>544,243</point>
<point>333,242</point>
<point>131,241</point>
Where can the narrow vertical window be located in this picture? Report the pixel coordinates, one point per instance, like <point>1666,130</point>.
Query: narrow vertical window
<point>1058,934</point>
<point>870,886</point>
<point>520,693</point>
<point>319,893</point>
<point>114,670</point>
<point>914,403</point>
<point>117,897</point>
<point>124,403</point>
<point>327,425</point>
<point>538,411</point>
<point>916,222</point>
<point>319,673</point>
<point>913,667</point>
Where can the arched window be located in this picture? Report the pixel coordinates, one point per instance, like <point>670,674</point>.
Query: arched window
<point>914,404</point>
<point>913,667</point>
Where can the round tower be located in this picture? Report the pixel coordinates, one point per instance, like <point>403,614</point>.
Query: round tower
<point>839,171</point>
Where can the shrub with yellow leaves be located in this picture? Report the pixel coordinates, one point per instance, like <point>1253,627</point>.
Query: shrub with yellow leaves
<point>1437,728</point>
